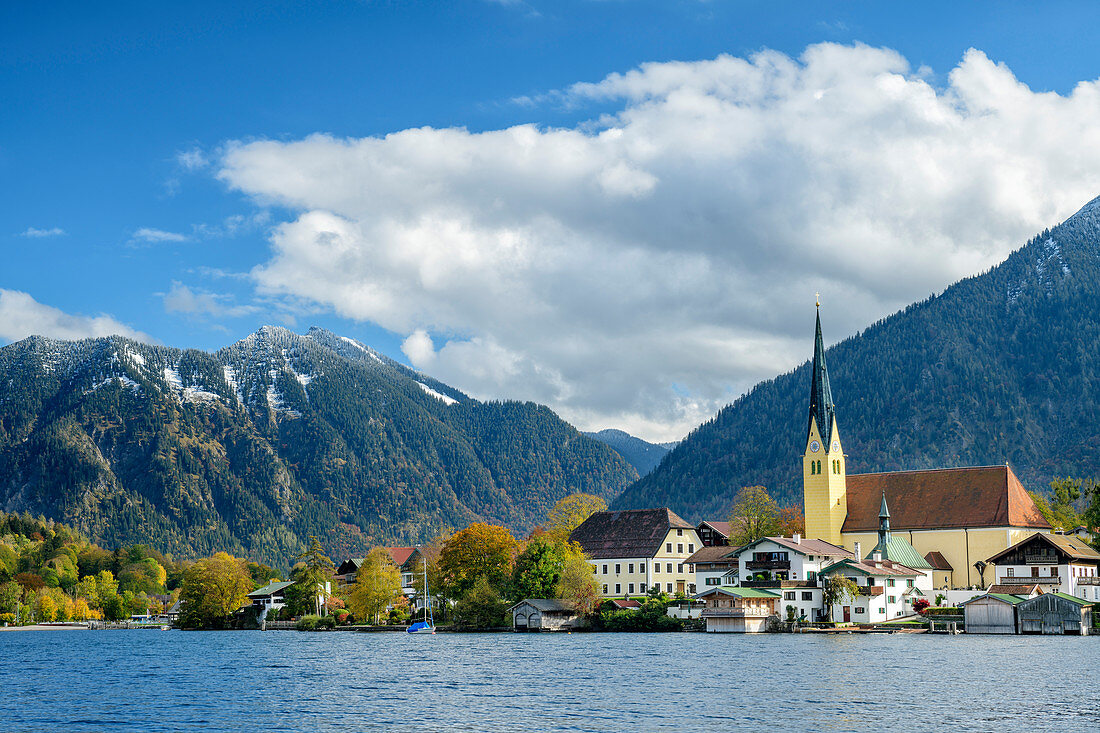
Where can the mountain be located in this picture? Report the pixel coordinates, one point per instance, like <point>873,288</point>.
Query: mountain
<point>255,447</point>
<point>641,454</point>
<point>1003,366</point>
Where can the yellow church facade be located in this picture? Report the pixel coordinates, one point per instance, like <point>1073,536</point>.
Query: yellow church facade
<point>956,517</point>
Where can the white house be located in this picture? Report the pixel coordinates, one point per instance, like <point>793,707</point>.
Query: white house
<point>270,598</point>
<point>1057,563</point>
<point>635,550</point>
<point>790,567</point>
<point>887,590</point>
<point>714,565</point>
<point>737,610</point>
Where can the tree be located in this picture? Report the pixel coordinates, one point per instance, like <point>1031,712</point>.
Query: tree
<point>11,593</point>
<point>316,569</point>
<point>538,568</point>
<point>837,589</point>
<point>479,551</point>
<point>481,606</point>
<point>212,589</point>
<point>45,606</point>
<point>791,520</point>
<point>754,515</point>
<point>568,514</point>
<point>377,583</point>
<point>577,583</point>
<point>144,576</point>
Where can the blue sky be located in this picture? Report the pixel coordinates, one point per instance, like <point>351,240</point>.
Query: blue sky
<point>123,200</point>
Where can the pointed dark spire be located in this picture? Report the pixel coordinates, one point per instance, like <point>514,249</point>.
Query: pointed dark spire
<point>883,523</point>
<point>821,395</point>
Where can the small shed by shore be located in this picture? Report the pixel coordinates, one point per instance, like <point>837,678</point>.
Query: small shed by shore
<point>544,614</point>
<point>993,613</point>
<point>1054,613</point>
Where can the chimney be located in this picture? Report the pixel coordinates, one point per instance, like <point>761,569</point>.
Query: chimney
<point>858,551</point>
<point>876,557</point>
<point>797,538</point>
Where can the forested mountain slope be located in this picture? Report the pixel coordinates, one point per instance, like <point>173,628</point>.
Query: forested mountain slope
<point>279,436</point>
<point>641,454</point>
<point>1004,366</point>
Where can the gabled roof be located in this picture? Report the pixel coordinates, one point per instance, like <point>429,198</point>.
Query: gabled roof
<point>400,555</point>
<point>716,554</point>
<point>1067,545</point>
<point>351,565</point>
<point>803,546</point>
<point>946,498</point>
<point>898,550</point>
<point>885,568</point>
<point>629,533</point>
<point>722,528</point>
<point>937,561</point>
<point>624,603</point>
<point>1016,589</point>
<point>271,589</point>
<point>726,590</point>
<point>546,604</point>
<point>1008,598</point>
<point>1063,596</point>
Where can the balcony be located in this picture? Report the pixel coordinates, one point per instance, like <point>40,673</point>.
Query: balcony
<point>1088,580</point>
<point>778,584</point>
<point>1040,559</point>
<point>767,564</point>
<point>735,613</point>
<point>1029,580</point>
<point>873,590</point>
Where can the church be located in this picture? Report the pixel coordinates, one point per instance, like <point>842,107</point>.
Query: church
<point>955,518</point>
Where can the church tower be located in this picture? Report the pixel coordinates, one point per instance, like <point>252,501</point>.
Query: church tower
<point>823,470</point>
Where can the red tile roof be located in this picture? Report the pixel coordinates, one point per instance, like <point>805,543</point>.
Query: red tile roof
<point>938,561</point>
<point>400,555</point>
<point>946,498</point>
<point>722,528</point>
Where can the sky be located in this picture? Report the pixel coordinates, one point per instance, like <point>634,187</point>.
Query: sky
<point>621,209</point>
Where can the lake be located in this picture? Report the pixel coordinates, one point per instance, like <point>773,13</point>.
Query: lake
<point>289,681</point>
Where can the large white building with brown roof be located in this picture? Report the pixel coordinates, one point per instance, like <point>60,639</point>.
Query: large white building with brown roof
<point>636,550</point>
<point>965,515</point>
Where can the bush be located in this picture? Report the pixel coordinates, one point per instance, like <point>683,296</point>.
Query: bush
<point>307,623</point>
<point>921,605</point>
<point>943,611</point>
<point>7,618</point>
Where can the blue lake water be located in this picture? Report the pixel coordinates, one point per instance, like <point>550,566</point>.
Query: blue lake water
<point>288,681</point>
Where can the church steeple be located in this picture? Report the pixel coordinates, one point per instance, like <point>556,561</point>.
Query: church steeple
<point>883,523</point>
<point>821,394</point>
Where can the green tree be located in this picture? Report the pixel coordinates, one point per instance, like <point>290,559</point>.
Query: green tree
<point>481,606</point>
<point>313,572</point>
<point>212,589</point>
<point>377,584</point>
<point>1066,498</point>
<point>837,589</point>
<point>754,515</point>
<point>11,593</point>
<point>479,551</point>
<point>568,514</point>
<point>538,568</point>
<point>144,576</point>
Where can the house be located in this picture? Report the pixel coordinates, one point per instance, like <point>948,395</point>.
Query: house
<point>738,610</point>
<point>992,613</point>
<point>623,604</point>
<point>887,590</point>
<point>714,534</point>
<point>962,513</point>
<point>270,598</point>
<point>639,549</point>
<point>714,565</point>
<point>542,614</point>
<point>789,566</point>
<point>1054,613</point>
<point>941,569</point>
<point>1059,563</point>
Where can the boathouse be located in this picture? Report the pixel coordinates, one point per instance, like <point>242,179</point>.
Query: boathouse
<point>993,613</point>
<point>544,614</point>
<point>1054,613</point>
<point>738,610</point>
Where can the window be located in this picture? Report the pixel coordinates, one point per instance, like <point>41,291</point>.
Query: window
<point>630,588</point>
<point>605,570</point>
<point>642,586</point>
<point>680,568</point>
<point>718,581</point>
<point>669,586</point>
<point>641,567</point>
<point>909,583</point>
<point>668,547</point>
<point>618,589</point>
<point>788,595</point>
<point>679,533</point>
<point>680,548</point>
<point>860,610</point>
<point>630,568</point>
<point>668,567</point>
<point>691,547</point>
<point>605,589</point>
<point>691,589</point>
<point>594,568</point>
<point>656,567</point>
<point>813,467</point>
<point>891,599</point>
<point>811,576</point>
<point>1011,572</point>
<point>1035,571</point>
<point>890,582</point>
<point>807,595</point>
<point>618,568</point>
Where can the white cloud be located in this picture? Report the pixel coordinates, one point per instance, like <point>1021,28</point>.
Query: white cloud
<point>22,316</point>
<point>182,299</point>
<point>42,233</point>
<point>419,348</point>
<point>192,160</point>
<point>641,269</point>
<point>148,234</point>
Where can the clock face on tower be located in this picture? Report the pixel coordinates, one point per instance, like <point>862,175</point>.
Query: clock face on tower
<point>836,446</point>
<point>814,446</point>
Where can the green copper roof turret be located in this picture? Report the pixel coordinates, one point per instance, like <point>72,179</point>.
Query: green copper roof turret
<point>821,394</point>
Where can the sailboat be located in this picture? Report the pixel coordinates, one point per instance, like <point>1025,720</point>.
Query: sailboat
<point>424,627</point>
